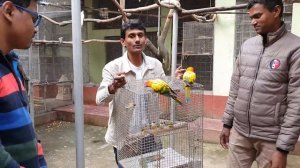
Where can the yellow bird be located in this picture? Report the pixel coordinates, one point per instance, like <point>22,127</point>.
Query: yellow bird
<point>161,87</point>
<point>189,78</point>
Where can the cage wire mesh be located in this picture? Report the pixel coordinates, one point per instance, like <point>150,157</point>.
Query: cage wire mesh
<point>50,66</point>
<point>197,50</point>
<point>154,131</point>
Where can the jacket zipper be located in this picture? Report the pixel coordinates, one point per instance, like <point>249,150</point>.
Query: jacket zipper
<point>252,88</point>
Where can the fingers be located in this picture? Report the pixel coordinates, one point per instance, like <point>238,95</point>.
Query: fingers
<point>120,75</point>
<point>224,137</point>
<point>180,69</point>
<point>179,72</point>
<point>119,80</point>
<point>224,140</point>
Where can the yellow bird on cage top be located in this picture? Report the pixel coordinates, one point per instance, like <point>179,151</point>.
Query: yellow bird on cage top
<point>189,78</point>
<point>161,87</point>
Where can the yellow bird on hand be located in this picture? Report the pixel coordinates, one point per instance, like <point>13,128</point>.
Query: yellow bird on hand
<point>189,78</point>
<point>161,87</point>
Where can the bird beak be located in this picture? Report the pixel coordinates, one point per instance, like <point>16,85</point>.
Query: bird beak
<point>146,84</point>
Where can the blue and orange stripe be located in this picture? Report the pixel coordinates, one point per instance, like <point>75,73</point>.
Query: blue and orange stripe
<point>9,85</point>
<point>17,136</point>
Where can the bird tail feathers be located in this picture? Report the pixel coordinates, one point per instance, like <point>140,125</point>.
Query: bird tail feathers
<point>176,99</point>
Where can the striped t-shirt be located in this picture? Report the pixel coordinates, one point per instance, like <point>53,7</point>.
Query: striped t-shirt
<point>18,145</point>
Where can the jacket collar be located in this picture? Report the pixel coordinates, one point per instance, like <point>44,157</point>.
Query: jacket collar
<point>274,36</point>
<point>11,56</point>
<point>2,57</point>
<point>127,66</point>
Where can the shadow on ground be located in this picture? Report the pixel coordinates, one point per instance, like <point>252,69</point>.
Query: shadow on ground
<point>58,139</point>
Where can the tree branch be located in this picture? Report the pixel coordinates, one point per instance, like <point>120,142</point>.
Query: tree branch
<point>124,17</point>
<point>204,19</point>
<point>214,9</point>
<point>173,4</point>
<point>152,48</point>
<point>164,55</point>
<point>167,25</point>
<point>64,23</point>
<point>141,9</point>
<point>58,42</point>
<point>103,20</point>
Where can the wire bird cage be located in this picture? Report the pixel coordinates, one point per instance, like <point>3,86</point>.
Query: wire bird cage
<point>154,131</point>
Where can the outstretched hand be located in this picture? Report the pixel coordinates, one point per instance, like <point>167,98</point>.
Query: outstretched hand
<point>118,82</point>
<point>179,72</point>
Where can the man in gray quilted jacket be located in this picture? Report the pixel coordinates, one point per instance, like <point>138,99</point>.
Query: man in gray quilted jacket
<point>262,115</point>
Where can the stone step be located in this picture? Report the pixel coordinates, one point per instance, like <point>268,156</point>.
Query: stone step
<point>93,115</point>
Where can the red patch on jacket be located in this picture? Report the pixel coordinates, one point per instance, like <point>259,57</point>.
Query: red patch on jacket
<point>275,64</point>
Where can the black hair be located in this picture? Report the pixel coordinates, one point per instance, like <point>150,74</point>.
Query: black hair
<point>23,3</point>
<point>269,4</point>
<point>132,24</point>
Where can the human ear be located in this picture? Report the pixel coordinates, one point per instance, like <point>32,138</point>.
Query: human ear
<point>123,42</point>
<point>8,10</point>
<point>277,10</point>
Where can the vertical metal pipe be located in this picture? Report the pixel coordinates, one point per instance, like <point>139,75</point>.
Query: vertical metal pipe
<point>30,88</point>
<point>174,54</point>
<point>159,21</point>
<point>78,82</point>
<point>173,67</point>
<point>174,42</point>
<point>158,25</point>
<point>122,4</point>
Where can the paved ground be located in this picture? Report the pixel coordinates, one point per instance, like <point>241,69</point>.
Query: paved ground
<point>58,139</point>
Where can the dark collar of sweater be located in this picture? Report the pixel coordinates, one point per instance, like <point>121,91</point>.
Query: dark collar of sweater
<point>272,37</point>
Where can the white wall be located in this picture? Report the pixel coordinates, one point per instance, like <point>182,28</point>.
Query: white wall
<point>296,19</point>
<point>224,40</point>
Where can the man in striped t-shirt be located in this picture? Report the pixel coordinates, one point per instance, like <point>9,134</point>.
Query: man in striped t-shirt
<point>18,145</point>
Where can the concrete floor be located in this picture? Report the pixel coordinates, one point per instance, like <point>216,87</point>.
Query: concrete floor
<point>58,139</point>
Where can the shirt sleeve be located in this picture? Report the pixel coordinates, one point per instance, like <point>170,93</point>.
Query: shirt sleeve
<point>102,92</point>
<point>290,128</point>
<point>6,160</point>
<point>234,87</point>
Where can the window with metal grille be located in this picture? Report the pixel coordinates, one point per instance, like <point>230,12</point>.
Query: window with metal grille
<point>195,43</point>
<point>197,51</point>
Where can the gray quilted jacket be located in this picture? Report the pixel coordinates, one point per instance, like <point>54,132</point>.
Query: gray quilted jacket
<point>264,98</point>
